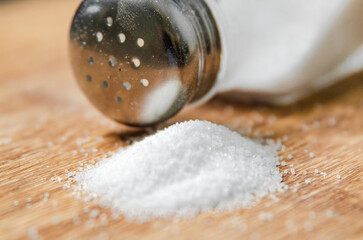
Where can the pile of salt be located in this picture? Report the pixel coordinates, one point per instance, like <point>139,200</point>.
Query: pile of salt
<point>186,169</point>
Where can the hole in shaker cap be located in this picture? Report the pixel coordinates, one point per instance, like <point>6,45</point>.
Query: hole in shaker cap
<point>112,61</point>
<point>127,86</point>
<point>144,82</point>
<point>136,62</point>
<point>99,36</point>
<point>91,60</point>
<point>109,21</point>
<point>105,84</point>
<point>140,42</point>
<point>122,37</point>
<point>118,99</point>
<point>89,78</point>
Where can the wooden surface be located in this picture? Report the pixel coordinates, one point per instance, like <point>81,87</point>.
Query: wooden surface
<point>43,115</point>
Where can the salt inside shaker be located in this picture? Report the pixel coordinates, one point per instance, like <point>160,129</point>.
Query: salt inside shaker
<point>140,62</point>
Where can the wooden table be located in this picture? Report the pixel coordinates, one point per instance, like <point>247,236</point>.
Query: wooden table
<point>44,118</point>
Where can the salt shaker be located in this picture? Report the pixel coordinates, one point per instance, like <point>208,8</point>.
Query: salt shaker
<point>140,62</point>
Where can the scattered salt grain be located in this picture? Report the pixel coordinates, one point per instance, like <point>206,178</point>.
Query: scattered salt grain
<point>312,155</point>
<point>305,172</point>
<point>316,171</point>
<point>94,213</point>
<point>103,219</point>
<point>46,196</point>
<point>308,181</point>
<point>76,221</point>
<point>293,171</point>
<point>15,203</point>
<point>55,204</point>
<point>289,224</point>
<point>332,122</point>
<point>56,220</point>
<point>33,233</point>
<point>304,127</point>
<point>266,216</point>
<point>283,148</point>
<point>312,215</point>
<point>289,157</point>
<point>330,214</point>
<point>7,141</point>
<point>283,163</point>
<point>339,177</point>
<point>309,226</point>
<point>110,154</point>
<point>188,168</point>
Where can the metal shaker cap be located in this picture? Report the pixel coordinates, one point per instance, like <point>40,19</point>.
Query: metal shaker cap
<point>139,62</point>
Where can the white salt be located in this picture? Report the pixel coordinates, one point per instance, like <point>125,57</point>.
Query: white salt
<point>33,233</point>
<point>332,122</point>
<point>308,181</point>
<point>186,169</point>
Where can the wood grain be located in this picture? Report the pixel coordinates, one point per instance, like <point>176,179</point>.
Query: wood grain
<point>46,115</point>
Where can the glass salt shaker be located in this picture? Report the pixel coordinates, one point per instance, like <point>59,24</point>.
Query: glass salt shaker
<point>140,62</point>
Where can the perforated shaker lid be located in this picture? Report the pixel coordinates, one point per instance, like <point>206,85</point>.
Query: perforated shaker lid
<point>140,62</point>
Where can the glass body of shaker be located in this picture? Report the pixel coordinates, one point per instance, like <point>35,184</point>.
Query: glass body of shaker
<point>279,50</point>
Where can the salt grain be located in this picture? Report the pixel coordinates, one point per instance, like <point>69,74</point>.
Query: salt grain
<point>7,141</point>
<point>94,213</point>
<point>309,227</point>
<point>308,181</point>
<point>332,122</point>
<point>33,233</point>
<point>266,216</point>
<point>185,169</point>
<point>330,214</point>
<point>312,215</point>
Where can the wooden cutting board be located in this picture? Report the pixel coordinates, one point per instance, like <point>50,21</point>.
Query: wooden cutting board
<point>44,118</point>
